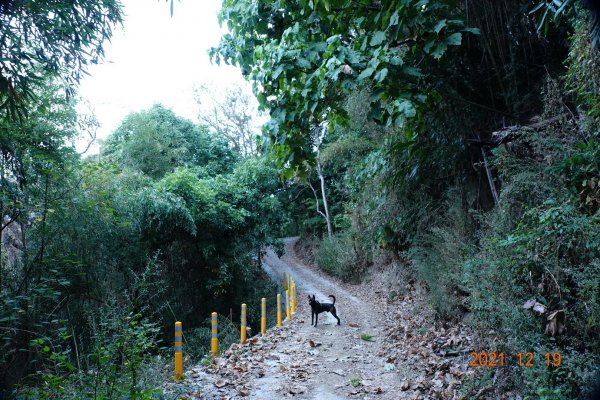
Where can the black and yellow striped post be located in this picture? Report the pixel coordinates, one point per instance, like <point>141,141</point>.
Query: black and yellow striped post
<point>278,310</point>
<point>178,352</point>
<point>284,281</point>
<point>287,305</point>
<point>263,316</point>
<point>214,341</point>
<point>243,328</point>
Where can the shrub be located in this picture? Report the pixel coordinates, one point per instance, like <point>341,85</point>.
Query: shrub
<point>113,368</point>
<point>197,340</point>
<point>439,254</point>
<point>336,256</point>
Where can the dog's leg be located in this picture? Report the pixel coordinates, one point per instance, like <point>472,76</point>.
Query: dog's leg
<point>335,315</point>
<point>316,319</point>
<point>312,317</point>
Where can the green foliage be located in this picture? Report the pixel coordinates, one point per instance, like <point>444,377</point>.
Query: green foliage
<point>156,141</point>
<point>355,382</point>
<point>114,366</point>
<point>557,8</point>
<point>438,256</point>
<point>34,145</point>
<point>197,340</point>
<point>544,246</point>
<point>162,212</point>
<point>419,195</point>
<point>49,38</point>
<point>583,75</point>
<point>581,175</point>
<point>337,256</point>
<point>303,58</point>
<point>366,337</point>
<point>105,251</point>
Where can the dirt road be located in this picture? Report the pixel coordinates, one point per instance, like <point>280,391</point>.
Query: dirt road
<point>343,364</point>
<point>380,350</point>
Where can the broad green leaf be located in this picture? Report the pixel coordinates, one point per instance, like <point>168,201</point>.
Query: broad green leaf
<point>428,46</point>
<point>474,31</point>
<point>455,39</point>
<point>439,51</point>
<point>302,62</point>
<point>393,19</point>
<point>413,71</point>
<point>406,107</point>
<point>396,60</point>
<point>381,74</point>
<point>277,72</point>
<point>377,94</point>
<point>439,26</point>
<point>366,73</point>
<point>377,39</point>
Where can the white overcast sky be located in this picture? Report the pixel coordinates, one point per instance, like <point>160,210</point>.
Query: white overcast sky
<point>156,58</point>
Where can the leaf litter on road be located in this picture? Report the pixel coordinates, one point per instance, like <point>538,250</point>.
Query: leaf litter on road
<point>413,357</point>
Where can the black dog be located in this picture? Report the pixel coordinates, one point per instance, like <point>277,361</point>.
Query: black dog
<point>317,308</point>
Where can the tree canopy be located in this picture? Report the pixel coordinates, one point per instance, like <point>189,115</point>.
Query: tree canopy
<point>156,141</point>
<point>304,56</point>
<point>56,38</point>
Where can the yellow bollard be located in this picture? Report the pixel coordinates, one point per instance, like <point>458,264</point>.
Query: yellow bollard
<point>278,310</point>
<point>178,352</point>
<point>287,305</point>
<point>263,316</point>
<point>243,328</point>
<point>293,297</point>
<point>284,281</point>
<point>214,341</point>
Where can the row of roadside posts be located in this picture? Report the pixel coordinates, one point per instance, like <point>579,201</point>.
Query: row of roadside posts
<point>289,286</point>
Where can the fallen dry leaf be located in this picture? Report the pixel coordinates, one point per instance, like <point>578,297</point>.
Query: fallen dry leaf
<point>221,383</point>
<point>556,323</point>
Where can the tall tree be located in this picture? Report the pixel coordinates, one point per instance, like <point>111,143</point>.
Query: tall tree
<point>156,141</point>
<point>232,114</point>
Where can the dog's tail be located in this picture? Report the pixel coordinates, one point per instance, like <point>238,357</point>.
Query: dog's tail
<point>333,297</point>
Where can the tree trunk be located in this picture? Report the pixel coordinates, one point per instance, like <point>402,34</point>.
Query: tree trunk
<point>327,218</point>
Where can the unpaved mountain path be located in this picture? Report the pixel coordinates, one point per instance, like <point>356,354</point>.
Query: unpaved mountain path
<point>405,358</point>
<point>343,364</point>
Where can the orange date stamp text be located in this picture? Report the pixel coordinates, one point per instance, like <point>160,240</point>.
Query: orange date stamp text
<point>499,359</point>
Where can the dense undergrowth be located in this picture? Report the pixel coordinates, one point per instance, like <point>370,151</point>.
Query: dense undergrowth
<point>102,255</point>
<point>522,271</point>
